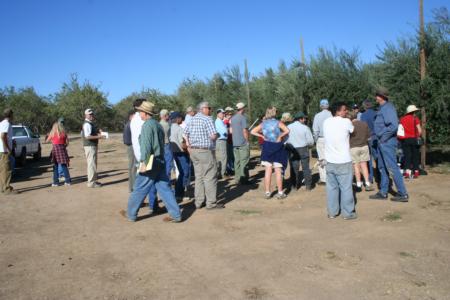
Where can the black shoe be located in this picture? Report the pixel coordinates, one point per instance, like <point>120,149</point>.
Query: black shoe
<point>402,198</point>
<point>217,206</point>
<point>321,183</point>
<point>245,182</point>
<point>378,196</point>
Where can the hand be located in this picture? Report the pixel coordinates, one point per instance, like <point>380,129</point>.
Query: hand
<point>142,168</point>
<point>279,139</point>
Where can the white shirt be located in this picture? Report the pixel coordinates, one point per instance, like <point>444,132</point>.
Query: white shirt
<point>136,128</point>
<point>336,133</point>
<point>5,127</point>
<point>87,128</point>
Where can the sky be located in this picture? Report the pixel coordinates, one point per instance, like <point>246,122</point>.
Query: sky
<point>125,46</point>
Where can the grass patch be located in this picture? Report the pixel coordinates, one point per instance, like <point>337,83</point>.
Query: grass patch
<point>442,168</point>
<point>255,293</point>
<point>405,254</point>
<point>392,216</point>
<point>248,212</point>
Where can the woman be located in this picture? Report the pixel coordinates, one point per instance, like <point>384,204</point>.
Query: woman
<point>409,140</point>
<point>59,156</point>
<point>273,153</point>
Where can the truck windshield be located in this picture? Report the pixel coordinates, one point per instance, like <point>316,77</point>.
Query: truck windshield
<point>19,131</point>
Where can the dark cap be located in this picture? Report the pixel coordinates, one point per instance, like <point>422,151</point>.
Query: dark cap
<point>355,106</point>
<point>220,111</point>
<point>382,92</point>
<point>299,115</point>
<point>174,115</point>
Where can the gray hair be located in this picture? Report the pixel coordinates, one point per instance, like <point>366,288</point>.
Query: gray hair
<point>367,104</point>
<point>164,112</point>
<point>203,104</point>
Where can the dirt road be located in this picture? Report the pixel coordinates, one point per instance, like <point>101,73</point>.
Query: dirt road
<point>71,242</point>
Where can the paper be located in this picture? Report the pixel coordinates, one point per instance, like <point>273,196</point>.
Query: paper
<point>105,134</point>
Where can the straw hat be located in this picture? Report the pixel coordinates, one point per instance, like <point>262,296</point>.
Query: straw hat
<point>147,107</point>
<point>411,108</point>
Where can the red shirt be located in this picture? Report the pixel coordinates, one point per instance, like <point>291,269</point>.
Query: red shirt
<point>410,123</point>
<point>59,140</point>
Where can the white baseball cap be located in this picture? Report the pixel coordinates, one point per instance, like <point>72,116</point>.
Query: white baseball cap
<point>240,105</point>
<point>89,111</point>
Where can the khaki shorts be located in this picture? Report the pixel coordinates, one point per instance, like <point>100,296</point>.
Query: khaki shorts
<point>269,164</point>
<point>360,154</point>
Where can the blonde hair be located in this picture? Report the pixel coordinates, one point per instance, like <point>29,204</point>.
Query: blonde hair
<point>57,130</point>
<point>271,112</point>
<point>286,117</point>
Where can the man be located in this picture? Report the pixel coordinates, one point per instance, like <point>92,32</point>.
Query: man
<point>359,151</point>
<point>221,143</point>
<point>241,147</point>
<point>136,124</point>
<point>164,118</point>
<point>385,128</point>
<point>300,137</point>
<point>180,155</point>
<point>131,159</point>
<point>230,155</point>
<point>151,142</point>
<point>336,131</point>
<point>356,111</point>
<point>319,118</point>
<point>201,136</point>
<point>368,116</point>
<point>90,136</point>
<point>6,134</point>
<point>190,113</point>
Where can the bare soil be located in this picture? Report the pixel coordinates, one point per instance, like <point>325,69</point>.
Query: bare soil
<point>71,242</point>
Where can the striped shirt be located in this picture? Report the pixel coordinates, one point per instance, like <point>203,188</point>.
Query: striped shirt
<point>199,132</point>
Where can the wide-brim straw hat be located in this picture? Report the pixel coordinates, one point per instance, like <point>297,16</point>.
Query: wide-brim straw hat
<point>411,108</point>
<point>147,107</point>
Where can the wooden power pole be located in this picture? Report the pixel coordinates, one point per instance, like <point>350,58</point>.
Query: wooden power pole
<point>302,51</point>
<point>423,156</point>
<point>247,88</point>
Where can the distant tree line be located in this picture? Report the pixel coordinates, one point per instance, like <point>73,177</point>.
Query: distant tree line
<point>295,86</point>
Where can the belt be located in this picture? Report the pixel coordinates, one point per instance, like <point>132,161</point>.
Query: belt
<point>198,148</point>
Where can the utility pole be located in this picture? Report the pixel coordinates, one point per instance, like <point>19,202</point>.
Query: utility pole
<point>423,156</point>
<point>247,88</point>
<point>302,51</point>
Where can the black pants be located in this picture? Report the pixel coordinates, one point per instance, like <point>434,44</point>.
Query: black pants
<point>411,154</point>
<point>297,156</point>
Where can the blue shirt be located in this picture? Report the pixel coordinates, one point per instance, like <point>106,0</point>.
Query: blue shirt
<point>319,118</point>
<point>299,135</point>
<point>271,130</point>
<point>221,129</point>
<point>386,123</point>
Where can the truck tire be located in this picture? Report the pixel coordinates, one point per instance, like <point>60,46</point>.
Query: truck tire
<point>38,154</point>
<point>23,157</point>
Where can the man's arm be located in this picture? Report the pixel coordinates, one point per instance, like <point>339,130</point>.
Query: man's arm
<point>316,129</point>
<point>4,136</point>
<point>309,137</point>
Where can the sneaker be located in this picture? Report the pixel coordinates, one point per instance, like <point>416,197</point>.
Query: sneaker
<point>55,184</point>
<point>11,192</point>
<point>369,188</point>
<point>217,206</point>
<point>67,184</point>
<point>400,198</point>
<point>378,196</point>
<point>321,183</point>
<point>351,217</point>
<point>95,185</point>
<point>268,195</point>
<point>281,195</point>
<point>331,217</point>
<point>416,174</point>
<point>168,219</point>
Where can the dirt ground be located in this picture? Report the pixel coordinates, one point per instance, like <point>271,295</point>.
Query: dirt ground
<point>71,242</point>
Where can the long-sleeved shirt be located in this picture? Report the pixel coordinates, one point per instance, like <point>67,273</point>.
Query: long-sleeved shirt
<point>136,128</point>
<point>221,129</point>
<point>369,117</point>
<point>386,123</point>
<point>319,118</point>
<point>299,135</point>
<point>127,134</point>
<point>151,140</point>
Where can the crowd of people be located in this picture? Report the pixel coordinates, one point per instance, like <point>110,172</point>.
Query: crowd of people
<point>355,149</point>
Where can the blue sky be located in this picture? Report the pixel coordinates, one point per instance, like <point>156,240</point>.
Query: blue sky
<point>124,46</point>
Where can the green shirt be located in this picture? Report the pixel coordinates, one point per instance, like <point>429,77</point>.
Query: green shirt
<point>151,140</point>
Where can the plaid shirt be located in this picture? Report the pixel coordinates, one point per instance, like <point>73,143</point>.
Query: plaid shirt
<point>199,131</point>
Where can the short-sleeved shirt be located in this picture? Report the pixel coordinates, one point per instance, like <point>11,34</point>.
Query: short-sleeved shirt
<point>221,129</point>
<point>238,124</point>
<point>409,123</point>
<point>360,134</point>
<point>199,132</point>
<point>5,127</point>
<point>59,139</point>
<point>336,131</point>
<point>176,138</point>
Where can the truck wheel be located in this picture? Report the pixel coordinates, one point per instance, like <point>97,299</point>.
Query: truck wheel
<point>38,154</point>
<point>23,157</point>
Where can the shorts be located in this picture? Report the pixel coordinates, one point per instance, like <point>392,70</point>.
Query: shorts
<point>269,164</point>
<point>360,154</point>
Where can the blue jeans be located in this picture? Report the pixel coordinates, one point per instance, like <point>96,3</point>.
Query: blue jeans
<point>12,161</point>
<point>56,173</point>
<point>184,168</point>
<point>387,164</point>
<point>373,156</point>
<point>142,186</point>
<point>168,158</point>
<point>339,183</point>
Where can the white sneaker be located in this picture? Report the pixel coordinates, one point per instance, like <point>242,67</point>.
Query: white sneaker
<point>54,184</point>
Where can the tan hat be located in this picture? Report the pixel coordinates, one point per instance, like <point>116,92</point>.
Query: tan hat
<point>240,105</point>
<point>147,107</point>
<point>228,109</point>
<point>286,117</point>
<point>411,108</point>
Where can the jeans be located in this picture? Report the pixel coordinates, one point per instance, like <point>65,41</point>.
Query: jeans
<point>241,159</point>
<point>65,172</point>
<point>184,167</point>
<point>142,186</point>
<point>339,185</point>
<point>301,155</point>
<point>372,151</point>
<point>230,159</point>
<point>387,164</point>
<point>168,158</point>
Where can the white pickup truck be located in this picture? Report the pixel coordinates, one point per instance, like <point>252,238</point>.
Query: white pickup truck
<point>25,143</point>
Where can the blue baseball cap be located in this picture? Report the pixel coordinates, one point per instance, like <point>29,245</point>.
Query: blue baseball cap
<point>324,102</point>
<point>175,115</point>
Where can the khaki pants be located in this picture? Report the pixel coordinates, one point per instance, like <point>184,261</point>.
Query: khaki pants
<point>221,155</point>
<point>205,168</point>
<point>320,147</point>
<point>241,159</point>
<point>91,158</point>
<point>5,173</point>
